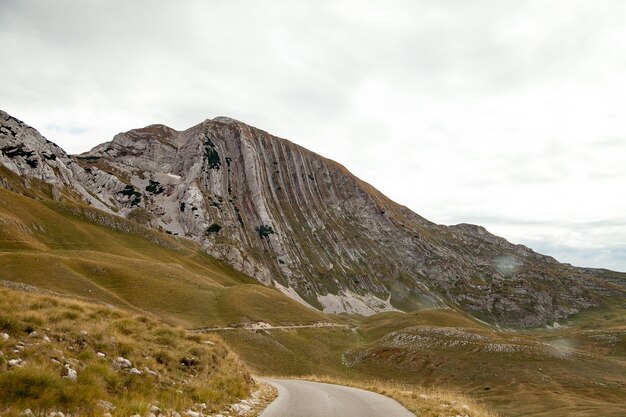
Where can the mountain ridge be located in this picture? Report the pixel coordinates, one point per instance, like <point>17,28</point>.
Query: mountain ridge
<point>304,224</point>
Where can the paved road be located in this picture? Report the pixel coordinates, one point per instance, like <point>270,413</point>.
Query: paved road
<point>313,399</point>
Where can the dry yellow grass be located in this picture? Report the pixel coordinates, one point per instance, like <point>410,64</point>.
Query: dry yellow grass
<point>55,337</point>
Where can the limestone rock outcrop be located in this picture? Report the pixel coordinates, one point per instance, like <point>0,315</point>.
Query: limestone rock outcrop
<point>304,224</point>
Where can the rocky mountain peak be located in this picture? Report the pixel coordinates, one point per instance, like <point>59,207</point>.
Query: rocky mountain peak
<point>157,132</point>
<point>304,224</point>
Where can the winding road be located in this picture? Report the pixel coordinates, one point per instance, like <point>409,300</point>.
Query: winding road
<point>313,399</point>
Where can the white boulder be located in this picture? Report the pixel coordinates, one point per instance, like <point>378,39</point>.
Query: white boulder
<point>15,362</point>
<point>123,362</point>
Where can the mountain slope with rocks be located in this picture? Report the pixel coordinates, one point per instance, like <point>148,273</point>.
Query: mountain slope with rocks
<point>302,223</point>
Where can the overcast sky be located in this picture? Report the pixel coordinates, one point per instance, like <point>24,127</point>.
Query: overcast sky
<point>509,114</point>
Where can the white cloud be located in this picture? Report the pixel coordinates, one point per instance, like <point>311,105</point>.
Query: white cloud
<point>490,110</point>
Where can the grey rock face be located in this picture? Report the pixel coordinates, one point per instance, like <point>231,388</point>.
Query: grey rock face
<point>303,223</point>
<point>24,151</point>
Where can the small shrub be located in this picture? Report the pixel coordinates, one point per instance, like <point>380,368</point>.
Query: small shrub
<point>34,386</point>
<point>155,187</point>
<point>8,324</point>
<point>126,327</point>
<point>210,154</point>
<point>33,320</point>
<point>163,358</point>
<point>125,348</point>
<point>100,374</point>
<point>76,307</point>
<point>213,229</point>
<point>166,337</point>
<point>69,315</point>
<point>44,303</point>
<point>265,231</point>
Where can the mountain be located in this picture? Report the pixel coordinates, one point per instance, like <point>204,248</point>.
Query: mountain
<point>304,224</point>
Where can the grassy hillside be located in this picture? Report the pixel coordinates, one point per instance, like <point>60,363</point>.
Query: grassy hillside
<point>81,251</point>
<point>66,247</point>
<point>570,371</point>
<point>61,355</point>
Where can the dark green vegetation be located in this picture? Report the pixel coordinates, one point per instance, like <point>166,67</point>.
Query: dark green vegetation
<point>76,250</point>
<point>213,229</point>
<point>264,231</point>
<point>135,196</point>
<point>154,187</point>
<point>210,154</point>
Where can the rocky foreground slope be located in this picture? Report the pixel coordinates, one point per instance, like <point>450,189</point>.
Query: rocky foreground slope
<point>303,223</point>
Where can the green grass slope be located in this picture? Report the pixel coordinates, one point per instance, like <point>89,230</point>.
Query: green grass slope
<point>77,250</point>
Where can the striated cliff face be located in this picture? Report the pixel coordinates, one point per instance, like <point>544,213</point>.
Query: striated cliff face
<point>303,223</point>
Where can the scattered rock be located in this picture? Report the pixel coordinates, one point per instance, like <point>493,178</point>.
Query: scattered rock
<point>135,371</point>
<point>71,373</point>
<point>46,338</point>
<point>16,362</point>
<point>101,355</point>
<point>108,406</point>
<point>33,334</point>
<point>240,408</point>
<point>4,336</point>
<point>192,413</point>
<point>123,362</point>
<point>188,361</point>
<point>150,371</point>
<point>26,412</point>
